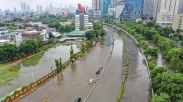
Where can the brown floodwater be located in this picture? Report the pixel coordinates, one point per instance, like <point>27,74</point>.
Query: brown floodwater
<point>40,66</point>
<point>73,81</point>
<point>108,86</point>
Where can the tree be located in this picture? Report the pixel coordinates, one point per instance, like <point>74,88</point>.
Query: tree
<point>82,28</point>
<point>51,35</point>
<point>35,26</point>
<point>90,34</point>
<point>102,33</point>
<point>162,98</point>
<point>28,46</point>
<point>40,41</point>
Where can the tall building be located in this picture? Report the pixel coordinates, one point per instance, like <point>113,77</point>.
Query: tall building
<point>148,7</point>
<point>15,10</point>
<point>114,3</point>
<point>28,8</point>
<point>104,7</point>
<point>51,8</point>
<point>172,6</point>
<point>40,8</point>
<point>82,19</point>
<point>96,6</point>
<point>80,9</point>
<point>37,8</point>
<point>132,10</point>
<point>156,8</point>
<point>24,7</point>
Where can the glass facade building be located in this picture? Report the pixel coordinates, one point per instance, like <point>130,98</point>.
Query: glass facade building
<point>132,10</point>
<point>104,6</point>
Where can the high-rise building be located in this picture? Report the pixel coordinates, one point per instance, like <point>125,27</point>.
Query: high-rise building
<point>156,8</point>
<point>132,10</point>
<point>40,8</point>
<point>51,7</point>
<point>86,10</point>
<point>80,9</point>
<point>15,10</point>
<point>24,6</point>
<point>114,3</point>
<point>172,6</point>
<point>148,7</point>
<point>104,7</point>
<point>96,6</point>
<point>28,8</point>
<point>37,8</point>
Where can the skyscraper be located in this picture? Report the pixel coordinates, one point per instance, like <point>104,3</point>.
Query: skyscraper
<point>148,8</point>
<point>40,8</point>
<point>24,6</point>
<point>104,7</point>
<point>37,8</point>
<point>96,6</point>
<point>113,3</point>
<point>28,8</point>
<point>15,10</point>
<point>172,6</point>
<point>51,7</point>
<point>132,10</point>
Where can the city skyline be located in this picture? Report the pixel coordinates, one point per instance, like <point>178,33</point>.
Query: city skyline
<point>10,4</point>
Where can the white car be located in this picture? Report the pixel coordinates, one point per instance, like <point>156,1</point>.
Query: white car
<point>91,81</point>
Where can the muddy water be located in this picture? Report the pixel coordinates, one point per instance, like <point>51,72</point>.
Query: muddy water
<point>39,65</point>
<point>137,85</point>
<point>108,87</point>
<point>161,61</point>
<point>73,81</point>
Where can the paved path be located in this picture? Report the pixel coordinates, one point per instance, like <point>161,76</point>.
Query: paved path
<point>108,87</point>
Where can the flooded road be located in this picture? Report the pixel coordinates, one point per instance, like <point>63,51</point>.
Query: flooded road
<point>73,81</point>
<point>108,86</point>
<point>39,65</point>
<point>138,82</point>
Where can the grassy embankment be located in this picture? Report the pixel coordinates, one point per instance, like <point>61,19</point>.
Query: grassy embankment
<point>125,74</point>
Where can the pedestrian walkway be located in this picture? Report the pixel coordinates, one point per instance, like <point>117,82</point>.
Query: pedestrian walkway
<point>108,86</point>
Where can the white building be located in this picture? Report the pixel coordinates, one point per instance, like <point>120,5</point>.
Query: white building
<point>82,21</point>
<point>4,32</point>
<point>44,34</point>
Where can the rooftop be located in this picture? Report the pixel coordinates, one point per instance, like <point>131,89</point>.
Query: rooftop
<point>77,32</point>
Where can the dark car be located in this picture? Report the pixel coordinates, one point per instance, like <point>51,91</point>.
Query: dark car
<point>78,99</point>
<point>98,72</point>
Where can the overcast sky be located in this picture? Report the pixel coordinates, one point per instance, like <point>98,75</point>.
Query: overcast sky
<point>10,4</point>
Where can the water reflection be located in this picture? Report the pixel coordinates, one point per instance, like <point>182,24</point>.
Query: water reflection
<point>60,79</point>
<point>33,60</point>
<point>73,67</point>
